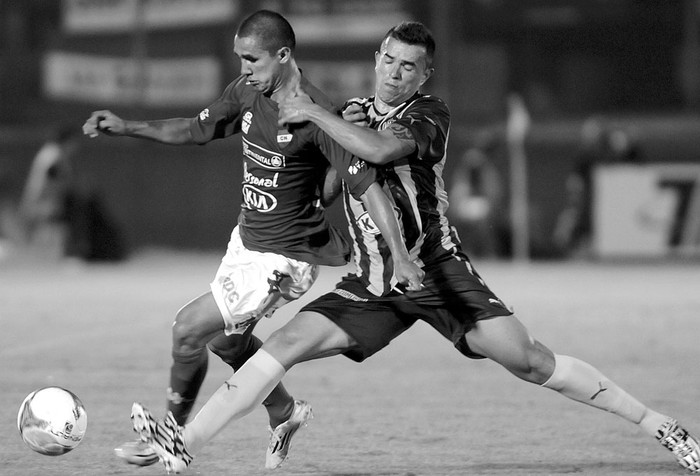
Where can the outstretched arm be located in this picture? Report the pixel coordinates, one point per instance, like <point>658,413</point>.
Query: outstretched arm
<point>167,131</point>
<point>377,147</point>
<point>380,210</point>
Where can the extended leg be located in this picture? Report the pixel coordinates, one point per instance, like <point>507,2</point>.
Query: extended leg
<point>506,341</point>
<point>307,336</point>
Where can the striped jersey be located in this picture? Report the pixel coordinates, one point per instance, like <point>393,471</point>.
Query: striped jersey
<point>283,172</point>
<point>416,188</point>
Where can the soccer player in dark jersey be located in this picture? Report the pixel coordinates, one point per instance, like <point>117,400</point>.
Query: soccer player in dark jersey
<point>282,235</point>
<point>406,138</point>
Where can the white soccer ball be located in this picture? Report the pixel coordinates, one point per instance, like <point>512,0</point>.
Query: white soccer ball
<point>52,421</point>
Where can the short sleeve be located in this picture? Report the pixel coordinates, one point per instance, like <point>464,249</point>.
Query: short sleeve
<point>428,119</point>
<point>357,174</point>
<point>221,118</point>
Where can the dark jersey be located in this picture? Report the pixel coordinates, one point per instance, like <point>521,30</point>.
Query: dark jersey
<point>283,171</point>
<point>415,186</point>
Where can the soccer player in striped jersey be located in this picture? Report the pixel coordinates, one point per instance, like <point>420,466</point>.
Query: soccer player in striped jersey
<point>282,236</point>
<point>406,139</point>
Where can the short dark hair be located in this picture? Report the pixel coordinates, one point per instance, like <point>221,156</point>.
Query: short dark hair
<point>414,33</point>
<point>271,28</point>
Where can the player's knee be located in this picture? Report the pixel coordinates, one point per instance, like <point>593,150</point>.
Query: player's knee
<point>235,352</point>
<point>186,331</point>
<point>537,364</point>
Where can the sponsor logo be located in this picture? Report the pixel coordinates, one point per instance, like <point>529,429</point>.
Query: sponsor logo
<point>262,156</point>
<point>601,389</point>
<point>243,325</point>
<point>249,177</point>
<point>256,199</point>
<point>366,225</point>
<point>349,295</point>
<point>247,121</point>
<point>204,115</point>
<point>355,167</point>
<point>174,397</point>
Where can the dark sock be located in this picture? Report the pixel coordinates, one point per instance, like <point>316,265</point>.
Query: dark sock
<point>186,376</point>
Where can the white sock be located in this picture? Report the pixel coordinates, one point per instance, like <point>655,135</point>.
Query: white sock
<point>584,383</point>
<point>237,397</point>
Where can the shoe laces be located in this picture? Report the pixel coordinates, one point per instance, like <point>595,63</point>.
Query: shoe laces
<point>678,440</point>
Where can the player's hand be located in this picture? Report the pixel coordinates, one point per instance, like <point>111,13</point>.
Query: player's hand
<point>105,122</point>
<point>293,109</point>
<point>409,274</point>
<point>353,113</point>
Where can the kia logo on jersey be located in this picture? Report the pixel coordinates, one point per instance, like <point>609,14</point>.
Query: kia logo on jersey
<point>256,199</point>
<point>365,223</point>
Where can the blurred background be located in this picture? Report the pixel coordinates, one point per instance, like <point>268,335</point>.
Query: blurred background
<point>575,123</point>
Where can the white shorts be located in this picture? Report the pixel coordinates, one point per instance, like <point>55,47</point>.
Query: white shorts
<point>250,285</point>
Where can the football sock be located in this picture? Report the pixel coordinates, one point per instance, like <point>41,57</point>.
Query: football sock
<point>279,404</point>
<point>584,383</point>
<point>186,376</point>
<point>237,397</point>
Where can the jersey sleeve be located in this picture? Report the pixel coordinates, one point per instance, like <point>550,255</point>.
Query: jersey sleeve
<point>222,118</point>
<point>428,119</point>
<point>355,172</point>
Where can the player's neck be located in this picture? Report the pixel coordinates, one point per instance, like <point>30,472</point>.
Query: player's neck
<point>290,79</point>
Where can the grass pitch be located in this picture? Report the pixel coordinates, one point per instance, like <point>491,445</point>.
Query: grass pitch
<point>416,408</point>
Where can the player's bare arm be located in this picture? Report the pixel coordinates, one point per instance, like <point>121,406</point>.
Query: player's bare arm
<point>331,188</point>
<point>168,131</point>
<point>382,214</point>
<point>377,147</point>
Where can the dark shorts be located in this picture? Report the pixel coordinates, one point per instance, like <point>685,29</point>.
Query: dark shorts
<point>453,299</point>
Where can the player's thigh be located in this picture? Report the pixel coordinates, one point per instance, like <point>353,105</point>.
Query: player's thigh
<point>198,320</point>
<point>308,335</point>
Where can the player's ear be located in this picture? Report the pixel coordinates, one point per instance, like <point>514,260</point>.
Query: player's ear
<point>284,54</point>
<point>426,75</point>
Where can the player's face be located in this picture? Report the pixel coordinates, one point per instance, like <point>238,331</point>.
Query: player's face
<point>262,69</point>
<point>400,70</point>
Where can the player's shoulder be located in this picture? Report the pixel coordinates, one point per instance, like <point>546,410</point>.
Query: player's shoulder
<point>427,108</point>
<point>317,96</point>
<point>428,101</point>
<point>238,89</point>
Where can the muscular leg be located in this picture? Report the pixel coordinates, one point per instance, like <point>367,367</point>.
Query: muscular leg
<point>307,336</point>
<point>506,341</point>
<point>196,323</point>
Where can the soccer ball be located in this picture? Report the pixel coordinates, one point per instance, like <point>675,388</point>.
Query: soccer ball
<point>52,421</point>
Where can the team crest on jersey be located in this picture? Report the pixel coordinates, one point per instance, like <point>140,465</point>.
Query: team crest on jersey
<point>204,115</point>
<point>247,120</point>
<point>283,137</point>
